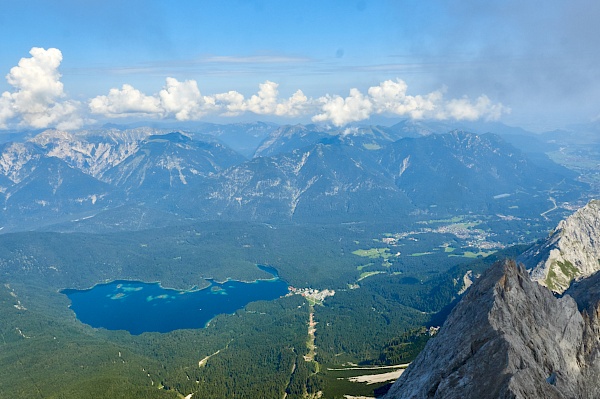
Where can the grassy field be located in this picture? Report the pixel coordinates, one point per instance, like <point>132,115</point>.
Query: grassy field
<point>364,275</point>
<point>373,253</point>
<point>473,255</point>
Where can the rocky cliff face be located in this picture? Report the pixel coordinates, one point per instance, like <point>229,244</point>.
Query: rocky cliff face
<point>510,337</point>
<point>571,252</point>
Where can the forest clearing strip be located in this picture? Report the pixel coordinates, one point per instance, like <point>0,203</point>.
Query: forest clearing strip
<point>203,362</point>
<point>310,356</point>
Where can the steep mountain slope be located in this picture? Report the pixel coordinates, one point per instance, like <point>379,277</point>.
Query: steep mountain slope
<point>17,161</point>
<point>37,189</point>
<point>289,138</point>
<point>466,172</point>
<point>91,151</point>
<point>324,182</point>
<point>509,337</point>
<point>571,251</point>
<point>169,162</point>
<point>351,175</point>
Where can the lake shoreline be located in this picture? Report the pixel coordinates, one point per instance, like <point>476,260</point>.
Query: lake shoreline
<point>194,288</point>
<point>133,305</point>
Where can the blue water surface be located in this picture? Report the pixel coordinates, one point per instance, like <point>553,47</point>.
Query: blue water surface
<point>147,307</point>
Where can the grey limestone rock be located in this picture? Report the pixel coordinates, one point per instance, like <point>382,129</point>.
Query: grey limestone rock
<point>572,251</point>
<point>510,337</point>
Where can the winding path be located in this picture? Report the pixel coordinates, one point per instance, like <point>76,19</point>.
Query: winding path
<point>549,210</point>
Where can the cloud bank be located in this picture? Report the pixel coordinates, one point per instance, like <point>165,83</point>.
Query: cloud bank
<point>39,101</point>
<point>183,101</point>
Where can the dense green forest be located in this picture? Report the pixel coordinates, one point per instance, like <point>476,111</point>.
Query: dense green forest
<point>384,297</point>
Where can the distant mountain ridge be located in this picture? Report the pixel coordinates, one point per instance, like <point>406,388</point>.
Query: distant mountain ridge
<point>167,162</point>
<point>300,174</point>
<point>93,152</point>
<point>469,171</point>
<point>327,181</point>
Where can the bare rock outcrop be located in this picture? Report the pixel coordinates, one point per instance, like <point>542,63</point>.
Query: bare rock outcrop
<point>571,252</point>
<point>510,337</point>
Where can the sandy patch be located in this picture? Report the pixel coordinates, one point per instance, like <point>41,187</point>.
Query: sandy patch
<point>202,362</point>
<point>404,365</point>
<point>376,378</point>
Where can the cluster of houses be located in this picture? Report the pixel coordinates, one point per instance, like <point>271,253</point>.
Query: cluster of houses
<point>311,293</point>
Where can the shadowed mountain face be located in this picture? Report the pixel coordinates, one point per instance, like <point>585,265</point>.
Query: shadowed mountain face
<point>48,188</point>
<point>510,337</point>
<point>325,182</point>
<point>288,138</point>
<point>465,172</point>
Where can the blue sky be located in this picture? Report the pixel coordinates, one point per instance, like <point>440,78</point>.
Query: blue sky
<point>532,64</point>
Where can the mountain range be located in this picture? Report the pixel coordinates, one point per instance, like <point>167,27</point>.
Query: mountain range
<point>298,174</point>
<point>387,216</point>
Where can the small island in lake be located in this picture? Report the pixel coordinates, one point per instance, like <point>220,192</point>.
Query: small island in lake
<point>148,307</point>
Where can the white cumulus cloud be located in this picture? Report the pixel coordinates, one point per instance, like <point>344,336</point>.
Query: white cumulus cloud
<point>38,100</point>
<point>123,102</point>
<point>483,107</point>
<point>341,111</point>
<point>183,101</point>
<point>230,103</point>
<point>298,104</point>
<point>391,98</point>
<point>6,109</point>
<point>265,102</point>
<point>38,95</point>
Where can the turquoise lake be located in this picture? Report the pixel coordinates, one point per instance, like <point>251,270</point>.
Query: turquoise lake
<point>147,307</point>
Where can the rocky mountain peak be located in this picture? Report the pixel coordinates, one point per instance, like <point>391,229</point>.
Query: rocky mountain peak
<point>570,252</point>
<point>51,136</point>
<point>509,337</point>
